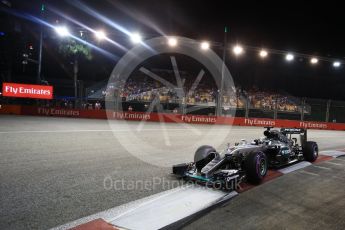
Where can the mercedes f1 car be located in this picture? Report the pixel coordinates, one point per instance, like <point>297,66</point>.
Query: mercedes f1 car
<point>249,161</point>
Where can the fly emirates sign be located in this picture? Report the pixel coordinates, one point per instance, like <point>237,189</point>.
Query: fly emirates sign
<point>28,91</point>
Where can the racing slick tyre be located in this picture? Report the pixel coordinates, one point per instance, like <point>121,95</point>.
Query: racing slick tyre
<point>203,155</point>
<point>256,167</point>
<point>310,151</point>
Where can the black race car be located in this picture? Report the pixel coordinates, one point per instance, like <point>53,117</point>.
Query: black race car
<point>248,161</point>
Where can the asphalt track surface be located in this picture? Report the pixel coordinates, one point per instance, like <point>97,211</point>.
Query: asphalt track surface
<point>55,170</point>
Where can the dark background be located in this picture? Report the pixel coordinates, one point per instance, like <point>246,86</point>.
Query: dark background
<point>310,28</point>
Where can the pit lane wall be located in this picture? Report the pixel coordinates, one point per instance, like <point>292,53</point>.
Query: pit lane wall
<point>172,118</point>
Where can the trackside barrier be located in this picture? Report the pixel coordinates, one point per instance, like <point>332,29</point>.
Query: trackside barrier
<point>172,118</point>
<point>10,109</point>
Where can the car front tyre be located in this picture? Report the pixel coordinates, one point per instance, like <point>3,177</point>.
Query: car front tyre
<point>203,155</point>
<point>256,167</point>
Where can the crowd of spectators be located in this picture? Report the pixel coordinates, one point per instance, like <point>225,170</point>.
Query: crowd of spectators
<point>202,96</point>
<point>267,100</point>
<point>144,89</point>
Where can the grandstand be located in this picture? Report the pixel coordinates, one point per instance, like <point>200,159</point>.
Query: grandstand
<point>140,90</point>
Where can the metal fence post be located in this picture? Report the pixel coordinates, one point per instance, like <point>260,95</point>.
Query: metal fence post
<point>275,114</point>
<point>303,108</point>
<point>219,103</point>
<point>247,108</point>
<point>184,105</point>
<point>327,110</point>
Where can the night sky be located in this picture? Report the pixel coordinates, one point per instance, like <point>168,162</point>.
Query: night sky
<point>310,28</point>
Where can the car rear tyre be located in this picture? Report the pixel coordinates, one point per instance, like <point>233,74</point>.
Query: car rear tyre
<point>256,167</point>
<point>310,151</point>
<point>203,155</point>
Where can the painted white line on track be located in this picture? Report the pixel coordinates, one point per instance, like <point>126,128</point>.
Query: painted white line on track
<point>169,209</point>
<point>309,173</point>
<point>294,167</point>
<point>54,131</point>
<point>146,203</point>
<point>93,130</point>
<point>332,163</point>
<point>109,214</point>
<point>339,159</point>
<point>158,210</point>
<point>321,167</point>
<point>332,153</point>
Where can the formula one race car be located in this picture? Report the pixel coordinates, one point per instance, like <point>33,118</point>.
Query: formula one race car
<point>248,161</point>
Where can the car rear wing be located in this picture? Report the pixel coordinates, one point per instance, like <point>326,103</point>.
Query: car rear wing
<point>302,132</point>
<point>292,131</point>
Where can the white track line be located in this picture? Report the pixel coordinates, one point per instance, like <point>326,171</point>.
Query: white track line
<point>53,131</point>
<point>332,153</point>
<point>309,173</point>
<point>170,209</point>
<point>143,204</point>
<point>294,167</point>
<point>340,159</point>
<point>321,167</point>
<point>88,130</point>
<point>332,163</point>
<point>303,164</point>
<point>109,214</point>
<point>176,203</point>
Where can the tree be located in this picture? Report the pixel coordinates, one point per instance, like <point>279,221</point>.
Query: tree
<point>71,48</point>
